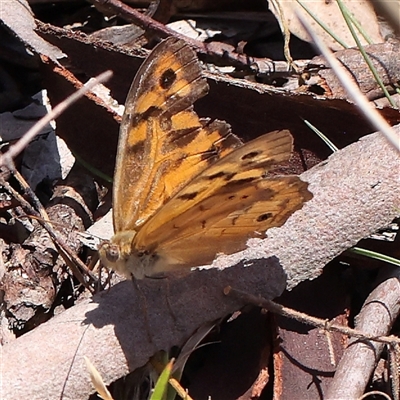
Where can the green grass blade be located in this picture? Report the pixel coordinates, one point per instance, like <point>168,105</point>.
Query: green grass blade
<point>364,54</point>
<point>161,388</point>
<point>330,144</point>
<point>355,22</point>
<point>375,255</point>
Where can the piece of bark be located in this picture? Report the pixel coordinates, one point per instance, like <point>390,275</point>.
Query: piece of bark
<point>261,108</point>
<point>119,330</point>
<point>356,191</point>
<point>384,57</point>
<point>18,17</point>
<point>305,357</point>
<point>35,273</point>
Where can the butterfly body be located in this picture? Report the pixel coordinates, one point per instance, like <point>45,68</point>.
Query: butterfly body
<point>186,188</point>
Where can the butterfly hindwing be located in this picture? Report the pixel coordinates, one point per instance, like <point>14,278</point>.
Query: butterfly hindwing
<point>229,234</point>
<point>225,205</point>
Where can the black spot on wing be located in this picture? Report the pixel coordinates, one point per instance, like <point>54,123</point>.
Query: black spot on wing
<point>167,79</point>
<point>151,112</point>
<point>217,175</point>
<point>251,155</point>
<point>227,139</point>
<point>264,217</point>
<point>176,138</point>
<point>183,137</point>
<point>233,222</point>
<point>221,174</point>
<point>211,155</point>
<point>137,147</point>
<point>176,164</point>
<point>241,182</point>
<point>188,196</point>
<point>229,176</point>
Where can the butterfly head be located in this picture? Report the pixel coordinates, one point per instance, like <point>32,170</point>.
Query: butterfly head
<point>120,255</point>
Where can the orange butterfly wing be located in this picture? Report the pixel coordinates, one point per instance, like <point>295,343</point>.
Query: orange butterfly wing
<point>163,143</point>
<point>225,205</point>
<point>184,189</point>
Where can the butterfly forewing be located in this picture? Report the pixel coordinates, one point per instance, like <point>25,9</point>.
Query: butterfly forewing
<point>163,143</point>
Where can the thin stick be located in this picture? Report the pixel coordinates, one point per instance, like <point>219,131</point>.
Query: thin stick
<point>147,23</point>
<point>75,261</point>
<point>307,319</point>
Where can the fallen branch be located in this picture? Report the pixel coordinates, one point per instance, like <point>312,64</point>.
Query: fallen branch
<point>356,191</point>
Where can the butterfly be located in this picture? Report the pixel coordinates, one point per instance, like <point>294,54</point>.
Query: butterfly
<point>186,188</point>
